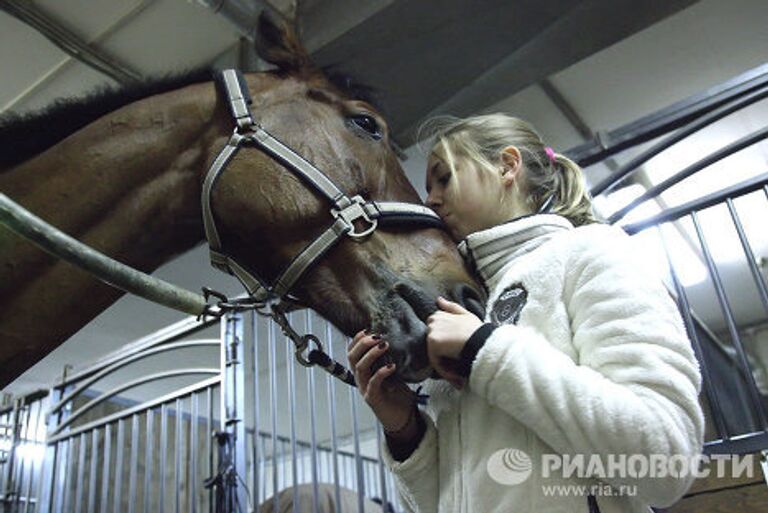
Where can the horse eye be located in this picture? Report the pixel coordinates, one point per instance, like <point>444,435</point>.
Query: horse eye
<point>368,124</point>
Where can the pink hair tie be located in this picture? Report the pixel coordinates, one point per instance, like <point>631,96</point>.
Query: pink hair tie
<point>550,153</point>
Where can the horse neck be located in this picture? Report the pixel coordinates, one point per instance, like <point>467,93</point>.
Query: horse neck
<point>128,185</point>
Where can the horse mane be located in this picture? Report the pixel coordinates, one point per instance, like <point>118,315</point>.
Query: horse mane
<point>22,136</point>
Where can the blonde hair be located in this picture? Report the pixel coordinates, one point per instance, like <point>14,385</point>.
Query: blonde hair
<point>482,139</point>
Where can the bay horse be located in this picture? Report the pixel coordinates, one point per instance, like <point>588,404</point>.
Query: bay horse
<point>123,172</point>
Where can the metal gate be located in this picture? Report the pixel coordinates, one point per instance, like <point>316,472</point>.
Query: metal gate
<point>288,433</point>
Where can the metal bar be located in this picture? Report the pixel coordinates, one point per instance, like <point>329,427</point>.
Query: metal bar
<point>292,412</point>
<point>233,398</point>
<point>69,465</point>
<point>118,482</point>
<point>133,464</point>
<point>45,492</point>
<point>193,441</point>
<point>17,482</point>
<point>175,331</point>
<point>106,468</point>
<point>92,473</point>
<point>208,438</point>
<point>726,309</point>
<point>163,455</point>
<point>749,254</point>
<point>177,455</point>
<point>54,72</point>
<point>70,43</point>
<point>12,450</point>
<point>673,180</point>
<point>32,471</point>
<point>382,472</point>
<point>742,444</point>
<point>124,386</point>
<point>125,361</point>
<point>331,388</point>
<point>311,387</point>
<point>138,408</point>
<point>353,396</point>
<point>740,189</point>
<point>676,115</point>
<point>149,458</point>
<point>106,269</point>
<point>257,454</point>
<point>627,169</point>
<point>273,412</point>
<point>685,308</point>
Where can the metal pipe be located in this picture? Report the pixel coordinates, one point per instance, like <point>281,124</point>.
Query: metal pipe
<point>68,42</point>
<point>292,413</point>
<point>707,161</point>
<point>273,411</point>
<point>243,14</point>
<point>69,465</point>
<point>118,482</point>
<point>133,464</point>
<point>331,388</point>
<point>615,178</point>
<point>92,473</point>
<point>106,468</point>
<point>164,455</point>
<point>149,453</point>
<point>734,191</point>
<point>106,269</point>
<point>353,397</point>
<point>725,307</point>
<point>257,454</point>
<point>749,254</point>
<point>124,386</point>
<point>193,442</point>
<point>138,408</point>
<point>311,387</point>
<point>125,361</point>
<point>670,118</point>
<point>685,307</point>
<point>179,442</point>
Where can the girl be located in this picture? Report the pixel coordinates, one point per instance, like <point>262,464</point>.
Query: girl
<point>582,355</point>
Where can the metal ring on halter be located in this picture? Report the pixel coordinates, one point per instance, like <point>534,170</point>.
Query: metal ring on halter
<point>304,345</point>
<point>353,212</point>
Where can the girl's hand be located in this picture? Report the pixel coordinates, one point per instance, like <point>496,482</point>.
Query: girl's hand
<point>448,330</point>
<point>390,400</point>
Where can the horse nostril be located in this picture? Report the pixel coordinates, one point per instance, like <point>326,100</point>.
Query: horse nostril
<point>470,298</point>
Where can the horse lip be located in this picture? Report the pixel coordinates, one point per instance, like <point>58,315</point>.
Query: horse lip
<point>422,305</point>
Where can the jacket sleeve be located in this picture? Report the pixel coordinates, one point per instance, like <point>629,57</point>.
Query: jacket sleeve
<point>634,387</point>
<point>416,478</point>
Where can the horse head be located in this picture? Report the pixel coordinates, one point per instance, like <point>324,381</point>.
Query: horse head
<point>266,215</point>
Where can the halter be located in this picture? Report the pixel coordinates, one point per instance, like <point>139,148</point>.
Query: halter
<point>344,211</point>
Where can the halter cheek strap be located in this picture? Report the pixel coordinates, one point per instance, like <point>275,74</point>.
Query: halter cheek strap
<point>344,210</point>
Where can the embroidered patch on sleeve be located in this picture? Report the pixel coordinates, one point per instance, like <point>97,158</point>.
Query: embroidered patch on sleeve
<point>508,307</point>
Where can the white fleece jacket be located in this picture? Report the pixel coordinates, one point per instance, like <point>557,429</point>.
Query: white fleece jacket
<point>597,362</point>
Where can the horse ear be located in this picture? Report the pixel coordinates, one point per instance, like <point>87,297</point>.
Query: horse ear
<point>278,44</point>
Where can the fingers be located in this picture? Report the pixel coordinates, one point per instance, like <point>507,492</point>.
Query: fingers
<point>450,306</point>
<point>375,384</point>
<point>362,353</point>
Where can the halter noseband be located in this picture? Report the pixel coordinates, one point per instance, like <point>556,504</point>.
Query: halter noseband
<point>344,210</point>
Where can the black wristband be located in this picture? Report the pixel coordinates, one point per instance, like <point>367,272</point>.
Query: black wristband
<point>473,346</point>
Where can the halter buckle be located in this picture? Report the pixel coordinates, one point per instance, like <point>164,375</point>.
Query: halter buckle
<point>351,213</point>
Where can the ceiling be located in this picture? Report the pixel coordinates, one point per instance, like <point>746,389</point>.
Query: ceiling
<point>612,61</point>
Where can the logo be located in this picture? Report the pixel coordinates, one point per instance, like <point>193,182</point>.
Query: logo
<point>509,306</point>
<point>509,466</point>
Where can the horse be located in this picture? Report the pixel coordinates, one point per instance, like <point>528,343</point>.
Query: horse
<point>123,173</point>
